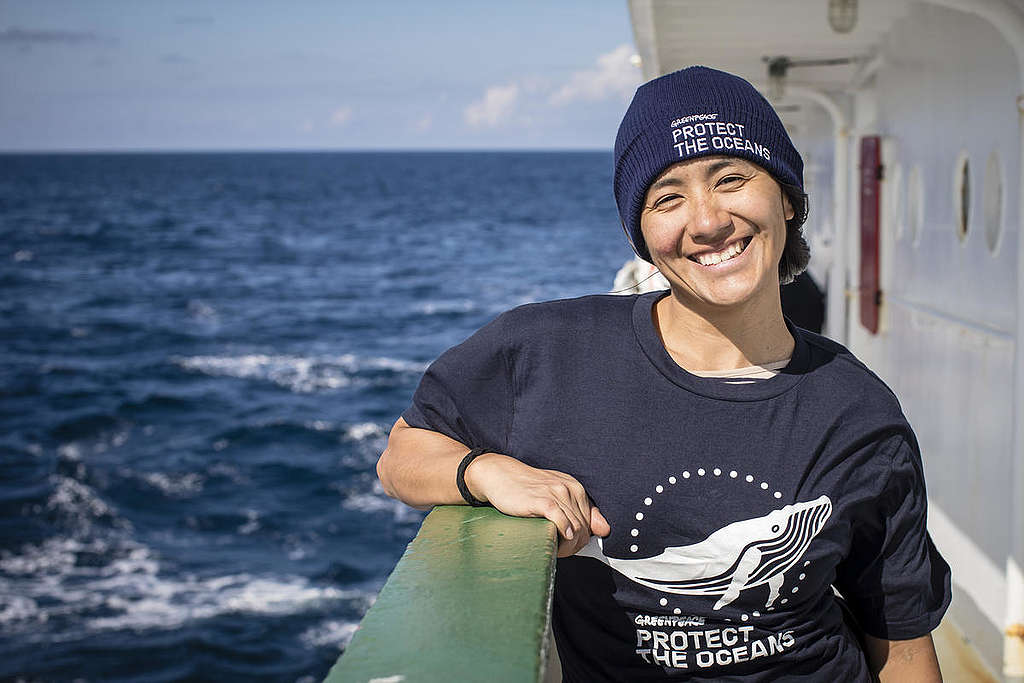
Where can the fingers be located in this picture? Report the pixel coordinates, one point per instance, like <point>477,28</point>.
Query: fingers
<point>569,540</point>
<point>599,526</point>
<point>523,491</point>
<point>581,504</point>
<point>571,535</point>
<point>565,518</point>
<point>574,501</point>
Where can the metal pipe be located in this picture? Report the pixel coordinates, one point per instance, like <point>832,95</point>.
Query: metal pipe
<point>1006,19</point>
<point>835,311</point>
<point>867,69</point>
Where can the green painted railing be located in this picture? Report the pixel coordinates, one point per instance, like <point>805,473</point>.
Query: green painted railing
<point>470,600</point>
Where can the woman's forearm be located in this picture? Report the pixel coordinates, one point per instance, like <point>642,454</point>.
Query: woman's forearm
<point>903,661</point>
<point>418,467</point>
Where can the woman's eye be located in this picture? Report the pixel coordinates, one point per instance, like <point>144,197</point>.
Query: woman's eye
<point>730,179</point>
<point>661,201</point>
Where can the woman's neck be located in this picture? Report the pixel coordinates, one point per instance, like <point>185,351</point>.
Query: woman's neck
<point>752,334</point>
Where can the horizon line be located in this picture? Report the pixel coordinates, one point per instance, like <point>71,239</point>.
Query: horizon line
<point>297,150</point>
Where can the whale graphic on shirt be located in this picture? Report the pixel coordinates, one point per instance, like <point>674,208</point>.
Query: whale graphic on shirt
<point>738,556</point>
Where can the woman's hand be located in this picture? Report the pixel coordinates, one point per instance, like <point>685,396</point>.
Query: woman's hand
<point>523,491</point>
<point>418,467</point>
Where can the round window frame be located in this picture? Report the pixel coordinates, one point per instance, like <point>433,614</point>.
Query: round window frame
<point>993,200</point>
<point>962,196</point>
<point>915,204</point>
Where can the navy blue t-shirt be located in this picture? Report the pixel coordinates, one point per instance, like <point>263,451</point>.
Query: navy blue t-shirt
<point>734,508</point>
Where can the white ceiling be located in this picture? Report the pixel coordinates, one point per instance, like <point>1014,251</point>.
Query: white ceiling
<point>736,35</point>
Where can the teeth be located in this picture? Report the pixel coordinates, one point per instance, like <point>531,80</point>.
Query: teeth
<point>715,258</point>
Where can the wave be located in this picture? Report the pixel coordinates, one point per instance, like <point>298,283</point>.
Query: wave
<point>331,633</point>
<point>80,507</point>
<point>364,431</point>
<point>175,485</point>
<point>376,501</point>
<point>301,374</point>
<point>82,426</point>
<point>54,581</point>
<point>445,307</point>
<point>151,602</point>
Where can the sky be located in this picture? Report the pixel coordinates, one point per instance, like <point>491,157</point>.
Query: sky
<point>233,75</point>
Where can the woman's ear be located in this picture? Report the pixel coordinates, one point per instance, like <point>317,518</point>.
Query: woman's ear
<point>787,206</point>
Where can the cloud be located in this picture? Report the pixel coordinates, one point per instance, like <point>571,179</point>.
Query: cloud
<point>497,103</point>
<point>341,116</point>
<point>423,124</point>
<point>615,76</point>
<point>25,37</point>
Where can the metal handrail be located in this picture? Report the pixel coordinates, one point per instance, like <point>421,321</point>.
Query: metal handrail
<point>470,600</point>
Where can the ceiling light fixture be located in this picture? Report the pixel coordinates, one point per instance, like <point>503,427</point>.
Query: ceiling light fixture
<point>842,15</point>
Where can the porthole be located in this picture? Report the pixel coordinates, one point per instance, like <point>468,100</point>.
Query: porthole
<point>993,202</point>
<point>962,195</point>
<point>915,204</point>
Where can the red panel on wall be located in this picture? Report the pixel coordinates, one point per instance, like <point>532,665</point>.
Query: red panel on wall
<point>870,176</point>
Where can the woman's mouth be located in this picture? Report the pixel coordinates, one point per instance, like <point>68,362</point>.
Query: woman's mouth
<point>713,258</point>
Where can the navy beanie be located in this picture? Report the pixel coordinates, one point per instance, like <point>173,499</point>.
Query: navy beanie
<point>693,113</point>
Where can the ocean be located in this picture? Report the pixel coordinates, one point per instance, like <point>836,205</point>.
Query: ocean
<point>202,356</point>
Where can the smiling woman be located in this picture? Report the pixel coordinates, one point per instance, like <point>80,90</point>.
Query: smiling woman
<point>715,473</point>
<point>716,228</point>
<point>727,216</point>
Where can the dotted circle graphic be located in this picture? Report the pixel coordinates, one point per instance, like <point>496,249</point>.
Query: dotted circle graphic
<point>760,487</point>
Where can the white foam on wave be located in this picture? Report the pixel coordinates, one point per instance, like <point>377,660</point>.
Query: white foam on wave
<point>45,581</point>
<point>73,498</point>
<point>73,451</point>
<point>364,431</point>
<point>370,439</point>
<point>329,633</point>
<point>166,603</point>
<point>53,557</point>
<point>175,485</point>
<point>375,500</point>
<point>301,374</point>
<point>252,522</point>
<point>115,440</point>
<point>70,451</point>
<point>445,306</point>
<point>297,373</point>
<point>16,607</point>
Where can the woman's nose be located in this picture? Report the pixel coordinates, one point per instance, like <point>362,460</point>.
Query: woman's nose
<point>710,223</point>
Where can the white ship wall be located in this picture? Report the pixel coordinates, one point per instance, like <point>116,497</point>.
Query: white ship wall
<point>946,90</point>
<point>812,133</point>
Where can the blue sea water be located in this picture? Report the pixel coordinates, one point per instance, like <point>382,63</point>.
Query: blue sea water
<point>201,357</point>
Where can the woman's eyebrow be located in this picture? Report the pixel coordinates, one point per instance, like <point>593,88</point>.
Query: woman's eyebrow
<point>664,182</point>
<point>718,166</point>
<point>710,170</point>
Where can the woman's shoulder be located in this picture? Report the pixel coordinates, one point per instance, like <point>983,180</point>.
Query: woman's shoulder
<point>574,315</point>
<point>837,371</point>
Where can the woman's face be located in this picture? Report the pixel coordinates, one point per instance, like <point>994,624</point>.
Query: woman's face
<point>716,227</point>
